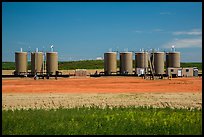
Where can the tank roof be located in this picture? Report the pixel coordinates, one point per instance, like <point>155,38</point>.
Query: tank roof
<point>110,52</point>
<point>20,52</point>
<point>51,52</point>
<point>36,52</point>
<point>173,52</point>
<point>126,52</point>
<point>159,52</point>
<point>142,52</point>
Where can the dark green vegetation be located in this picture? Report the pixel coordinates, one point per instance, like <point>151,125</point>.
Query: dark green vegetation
<point>97,121</point>
<point>11,65</point>
<point>198,65</point>
<point>8,66</point>
<point>87,64</point>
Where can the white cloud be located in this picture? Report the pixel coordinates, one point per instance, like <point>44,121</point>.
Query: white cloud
<point>99,58</point>
<point>185,43</point>
<point>192,32</point>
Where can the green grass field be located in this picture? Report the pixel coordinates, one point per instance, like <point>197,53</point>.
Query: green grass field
<point>87,64</point>
<point>97,121</point>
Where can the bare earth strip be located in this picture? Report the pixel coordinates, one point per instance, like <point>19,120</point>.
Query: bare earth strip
<point>70,100</point>
<point>105,91</point>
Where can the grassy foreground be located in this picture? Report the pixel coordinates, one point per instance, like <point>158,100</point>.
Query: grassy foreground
<point>95,121</point>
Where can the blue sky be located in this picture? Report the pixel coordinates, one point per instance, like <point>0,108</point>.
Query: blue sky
<point>85,30</point>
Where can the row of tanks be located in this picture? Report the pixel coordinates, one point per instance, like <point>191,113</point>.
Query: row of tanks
<point>37,63</point>
<point>142,60</point>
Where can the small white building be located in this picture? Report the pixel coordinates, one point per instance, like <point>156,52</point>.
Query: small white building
<point>174,71</point>
<point>182,72</point>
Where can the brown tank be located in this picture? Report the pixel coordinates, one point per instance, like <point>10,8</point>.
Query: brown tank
<point>158,62</point>
<point>21,62</point>
<point>173,59</point>
<point>126,63</point>
<point>51,62</point>
<point>110,63</point>
<point>36,62</point>
<point>141,60</point>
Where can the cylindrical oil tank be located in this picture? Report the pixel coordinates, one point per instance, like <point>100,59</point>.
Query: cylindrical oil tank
<point>21,62</point>
<point>36,62</point>
<point>126,63</point>
<point>158,59</point>
<point>141,60</point>
<point>51,62</point>
<point>173,59</point>
<point>110,63</point>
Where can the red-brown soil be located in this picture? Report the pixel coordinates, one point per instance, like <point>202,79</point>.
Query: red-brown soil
<point>101,85</point>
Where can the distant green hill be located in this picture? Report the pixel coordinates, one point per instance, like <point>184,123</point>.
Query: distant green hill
<point>88,64</point>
